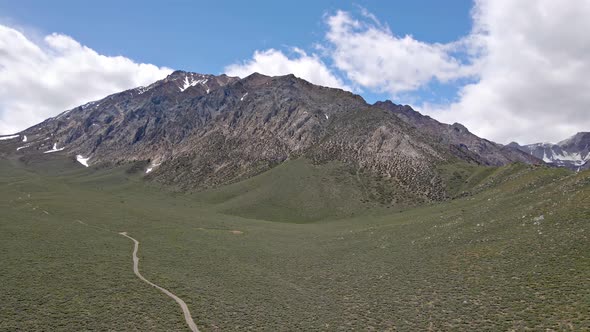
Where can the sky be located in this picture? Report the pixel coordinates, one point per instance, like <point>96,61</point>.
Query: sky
<point>508,70</point>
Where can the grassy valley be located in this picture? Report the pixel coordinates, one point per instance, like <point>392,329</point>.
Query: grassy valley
<point>301,247</point>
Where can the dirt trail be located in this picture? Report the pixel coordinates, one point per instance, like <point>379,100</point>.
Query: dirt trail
<point>187,314</point>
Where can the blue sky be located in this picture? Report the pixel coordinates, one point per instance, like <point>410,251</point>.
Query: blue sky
<point>206,36</point>
<point>508,70</point>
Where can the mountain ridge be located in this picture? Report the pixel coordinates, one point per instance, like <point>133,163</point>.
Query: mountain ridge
<point>462,142</point>
<point>572,152</point>
<point>199,131</point>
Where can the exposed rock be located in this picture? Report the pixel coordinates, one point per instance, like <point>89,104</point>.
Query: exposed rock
<point>573,153</point>
<point>459,140</point>
<point>198,131</point>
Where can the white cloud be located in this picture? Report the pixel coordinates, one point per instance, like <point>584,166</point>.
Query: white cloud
<point>40,80</point>
<point>534,70</point>
<point>528,62</point>
<point>274,62</point>
<point>373,57</point>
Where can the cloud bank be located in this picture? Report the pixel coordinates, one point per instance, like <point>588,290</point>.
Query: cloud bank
<point>40,80</point>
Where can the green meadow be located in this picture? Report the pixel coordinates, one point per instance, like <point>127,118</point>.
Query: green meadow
<point>301,247</point>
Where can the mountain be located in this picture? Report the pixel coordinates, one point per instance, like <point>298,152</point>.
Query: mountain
<point>197,131</point>
<point>573,153</point>
<point>292,196</point>
<point>462,143</point>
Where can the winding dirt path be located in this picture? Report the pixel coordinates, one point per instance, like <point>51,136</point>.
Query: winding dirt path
<point>187,314</point>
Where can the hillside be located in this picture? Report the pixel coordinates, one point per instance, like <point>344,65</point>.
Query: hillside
<point>512,253</point>
<point>461,142</point>
<point>195,132</point>
<point>269,203</point>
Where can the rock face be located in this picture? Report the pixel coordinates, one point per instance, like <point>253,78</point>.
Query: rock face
<point>200,131</point>
<point>141,123</point>
<point>573,153</point>
<point>458,139</point>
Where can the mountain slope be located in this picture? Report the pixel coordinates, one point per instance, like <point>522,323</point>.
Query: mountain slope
<point>460,141</point>
<point>136,124</point>
<point>201,131</point>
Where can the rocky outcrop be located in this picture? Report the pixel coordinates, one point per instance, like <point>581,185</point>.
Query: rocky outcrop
<point>460,141</point>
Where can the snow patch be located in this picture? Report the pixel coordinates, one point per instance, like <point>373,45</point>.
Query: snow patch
<point>191,82</point>
<point>244,96</point>
<point>574,157</point>
<point>88,104</point>
<point>68,111</point>
<point>54,149</point>
<point>327,117</point>
<point>22,147</point>
<point>151,167</point>
<point>82,160</point>
<point>8,137</point>
<point>562,156</point>
<point>143,89</point>
<point>24,138</point>
<point>545,158</point>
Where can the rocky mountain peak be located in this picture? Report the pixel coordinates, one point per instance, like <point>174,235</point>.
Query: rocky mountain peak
<point>573,152</point>
<point>513,144</point>
<point>198,131</point>
<point>581,139</point>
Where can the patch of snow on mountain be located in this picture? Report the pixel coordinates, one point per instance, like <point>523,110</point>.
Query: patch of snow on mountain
<point>567,156</point>
<point>63,113</point>
<point>24,138</point>
<point>82,160</point>
<point>89,104</point>
<point>545,158</point>
<point>54,149</point>
<point>22,147</point>
<point>151,168</point>
<point>143,89</point>
<point>191,82</point>
<point>244,96</point>
<point>8,137</point>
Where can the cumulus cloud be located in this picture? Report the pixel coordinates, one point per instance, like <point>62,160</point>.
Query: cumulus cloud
<point>274,62</point>
<point>40,80</point>
<point>528,63</point>
<point>533,72</point>
<point>373,57</point>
